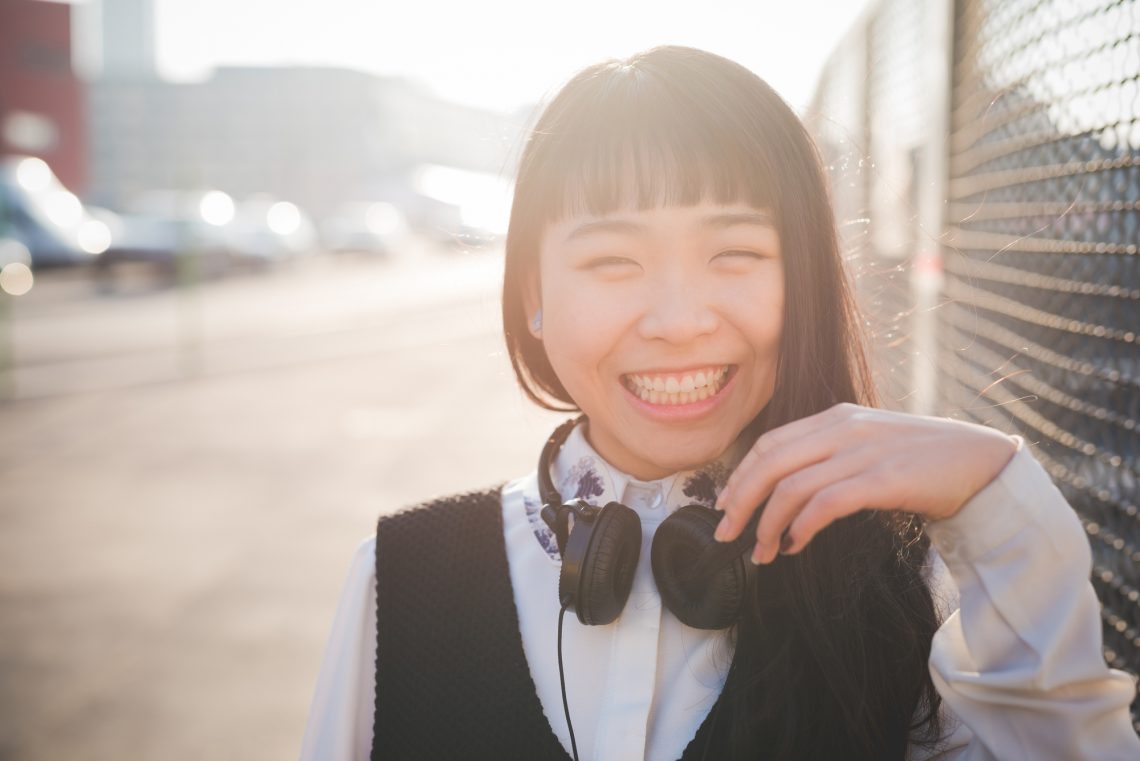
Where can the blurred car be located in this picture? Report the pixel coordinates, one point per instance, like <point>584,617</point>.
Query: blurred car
<point>363,227</point>
<point>265,231</point>
<point>51,221</point>
<point>178,233</point>
<point>459,207</point>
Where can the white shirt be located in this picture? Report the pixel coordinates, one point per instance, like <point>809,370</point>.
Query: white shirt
<point>1018,662</point>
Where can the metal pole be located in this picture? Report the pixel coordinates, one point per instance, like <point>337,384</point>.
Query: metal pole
<point>187,274</point>
<point>932,175</point>
<point>7,363</point>
<point>7,374</point>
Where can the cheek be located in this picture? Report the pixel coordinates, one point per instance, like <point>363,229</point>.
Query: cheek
<point>759,313</point>
<point>580,331</point>
<point>769,331</point>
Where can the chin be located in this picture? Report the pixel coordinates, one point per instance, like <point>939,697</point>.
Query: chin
<point>687,458</point>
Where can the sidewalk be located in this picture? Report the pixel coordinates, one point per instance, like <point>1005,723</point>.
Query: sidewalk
<point>172,548</point>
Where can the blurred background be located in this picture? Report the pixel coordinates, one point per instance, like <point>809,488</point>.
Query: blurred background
<point>249,265</point>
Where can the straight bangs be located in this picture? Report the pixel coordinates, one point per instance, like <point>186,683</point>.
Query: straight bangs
<point>643,146</point>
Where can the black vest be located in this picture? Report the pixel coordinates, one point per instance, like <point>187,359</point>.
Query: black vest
<point>452,681</point>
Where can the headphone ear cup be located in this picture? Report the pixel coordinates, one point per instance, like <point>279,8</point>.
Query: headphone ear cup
<point>680,541</point>
<point>609,565</point>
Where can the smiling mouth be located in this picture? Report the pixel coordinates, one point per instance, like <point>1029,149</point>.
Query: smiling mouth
<point>678,388</point>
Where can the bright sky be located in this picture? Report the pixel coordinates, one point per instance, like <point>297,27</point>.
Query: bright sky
<point>499,53</point>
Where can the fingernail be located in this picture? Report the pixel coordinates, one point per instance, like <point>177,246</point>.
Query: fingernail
<point>756,555</point>
<point>721,529</point>
<point>785,543</point>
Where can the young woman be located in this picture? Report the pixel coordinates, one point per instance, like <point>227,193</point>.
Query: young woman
<point>918,587</point>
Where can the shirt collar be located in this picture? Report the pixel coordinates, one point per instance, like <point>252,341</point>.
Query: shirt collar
<point>578,471</point>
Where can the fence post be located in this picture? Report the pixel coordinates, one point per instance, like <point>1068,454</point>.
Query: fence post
<point>932,175</point>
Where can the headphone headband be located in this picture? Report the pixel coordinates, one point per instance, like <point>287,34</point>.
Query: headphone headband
<point>709,562</point>
<point>546,491</point>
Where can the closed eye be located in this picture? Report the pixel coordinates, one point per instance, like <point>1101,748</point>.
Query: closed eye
<point>608,261</point>
<point>752,254</point>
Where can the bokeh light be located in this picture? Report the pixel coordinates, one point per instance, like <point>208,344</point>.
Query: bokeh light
<point>283,218</point>
<point>382,218</point>
<point>63,208</point>
<point>216,208</point>
<point>94,236</point>
<point>16,278</point>
<point>33,174</point>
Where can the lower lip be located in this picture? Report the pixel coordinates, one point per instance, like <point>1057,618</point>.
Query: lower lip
<point>677,412</point>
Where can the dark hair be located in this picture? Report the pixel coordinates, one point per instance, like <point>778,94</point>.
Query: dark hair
<point>831,653</point>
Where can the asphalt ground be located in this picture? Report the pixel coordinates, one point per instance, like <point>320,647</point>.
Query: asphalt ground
<point>186,472</point>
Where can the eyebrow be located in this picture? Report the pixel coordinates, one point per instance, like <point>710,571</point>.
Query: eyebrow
<point>716,221</point>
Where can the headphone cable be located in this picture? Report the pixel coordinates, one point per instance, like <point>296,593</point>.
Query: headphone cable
<point>562,680</point>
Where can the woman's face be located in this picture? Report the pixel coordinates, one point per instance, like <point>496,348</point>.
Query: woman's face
<point>664,327</point>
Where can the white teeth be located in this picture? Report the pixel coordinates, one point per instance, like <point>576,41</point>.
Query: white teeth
<point>689,389</point>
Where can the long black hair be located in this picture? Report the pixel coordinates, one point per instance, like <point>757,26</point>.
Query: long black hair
<point>830,657</point>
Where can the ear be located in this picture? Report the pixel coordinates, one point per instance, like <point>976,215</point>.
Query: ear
<point>532,302</point>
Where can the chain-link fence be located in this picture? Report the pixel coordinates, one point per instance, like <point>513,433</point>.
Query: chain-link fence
<point>1011,296</point>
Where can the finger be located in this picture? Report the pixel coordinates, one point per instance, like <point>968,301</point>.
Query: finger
<point>794,492</point>
<point>761,476</point>
<point>777,438</point>
<point>864,491</point>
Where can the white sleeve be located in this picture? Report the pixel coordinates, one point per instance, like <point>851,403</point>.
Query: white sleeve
<point>340,718</point>
<point>1019,663</point>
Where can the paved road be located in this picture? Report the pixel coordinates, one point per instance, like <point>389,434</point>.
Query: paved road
<point>183,479</point>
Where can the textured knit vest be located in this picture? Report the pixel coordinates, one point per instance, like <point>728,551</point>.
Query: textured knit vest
<point>452,681</point>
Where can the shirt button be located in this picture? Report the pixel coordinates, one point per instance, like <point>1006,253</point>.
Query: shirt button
<point>643,497</point>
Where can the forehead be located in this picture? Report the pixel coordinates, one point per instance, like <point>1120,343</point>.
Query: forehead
<point>704,217</point>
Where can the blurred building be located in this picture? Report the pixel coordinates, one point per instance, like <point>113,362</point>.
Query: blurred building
<point>128,45</point>
<point>320,137</point>
<point>316,136</point>
<point>41,100</point>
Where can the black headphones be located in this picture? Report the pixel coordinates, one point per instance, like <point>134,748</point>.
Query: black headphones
<point>702,581</point>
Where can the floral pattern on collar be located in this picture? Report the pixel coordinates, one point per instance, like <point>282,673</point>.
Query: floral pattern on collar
<point>580,472</point>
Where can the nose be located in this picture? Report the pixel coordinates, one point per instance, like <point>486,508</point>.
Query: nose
<point>677,311</point>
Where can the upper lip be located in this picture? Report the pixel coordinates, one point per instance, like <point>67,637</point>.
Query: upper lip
<point>679,371</point>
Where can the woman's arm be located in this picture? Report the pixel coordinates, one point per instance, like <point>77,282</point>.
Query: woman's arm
<point>340,719</point>
<point>1020,662</point>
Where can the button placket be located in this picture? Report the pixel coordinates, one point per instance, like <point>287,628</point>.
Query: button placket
<point>629,695</point>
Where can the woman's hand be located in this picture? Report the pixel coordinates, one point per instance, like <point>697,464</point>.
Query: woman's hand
<point>849,457</point>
